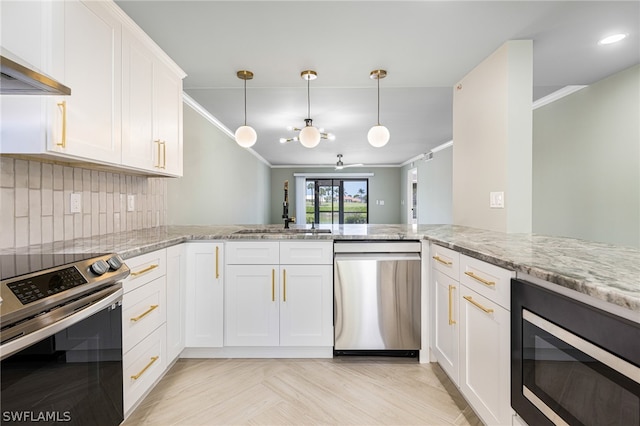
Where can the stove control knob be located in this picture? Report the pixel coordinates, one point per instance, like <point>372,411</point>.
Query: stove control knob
<point>99,267</point>
<point>114,263</point>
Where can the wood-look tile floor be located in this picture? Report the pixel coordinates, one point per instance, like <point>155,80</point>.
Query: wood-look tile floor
<point>339,391</point>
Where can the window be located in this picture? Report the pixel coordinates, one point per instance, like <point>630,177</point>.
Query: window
<point>337,201</point>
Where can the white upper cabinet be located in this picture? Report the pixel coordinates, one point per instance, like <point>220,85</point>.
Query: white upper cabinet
<point>151,110</point>
<point>125,107</point>
<point>90,123</point>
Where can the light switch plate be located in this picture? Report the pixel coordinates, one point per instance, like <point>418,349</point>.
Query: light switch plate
<point>496,200</point>
<point>76,202</point>
<point>131,203</point>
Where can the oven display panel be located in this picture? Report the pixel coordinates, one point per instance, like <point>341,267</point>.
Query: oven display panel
<point>35,288</point>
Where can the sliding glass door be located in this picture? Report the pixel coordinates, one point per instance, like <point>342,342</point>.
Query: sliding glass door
<point>337,201</point>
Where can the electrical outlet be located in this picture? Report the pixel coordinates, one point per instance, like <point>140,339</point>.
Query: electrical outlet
<point>496,200</point>
<point>76,202</point>
<point>131,203</point>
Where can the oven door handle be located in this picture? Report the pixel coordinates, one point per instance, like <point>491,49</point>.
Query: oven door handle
<point>104,299</point>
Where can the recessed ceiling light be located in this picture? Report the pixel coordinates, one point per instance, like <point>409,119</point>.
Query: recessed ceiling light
<point>612,39</point>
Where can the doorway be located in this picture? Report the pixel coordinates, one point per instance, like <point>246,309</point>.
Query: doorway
<point>337,201</point>
<point>412,196</point>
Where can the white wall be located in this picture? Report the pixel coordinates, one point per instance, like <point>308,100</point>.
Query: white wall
<point>492,140</point>
<point>435,188</point>
<point>586,162</point>
<point>223,184</point>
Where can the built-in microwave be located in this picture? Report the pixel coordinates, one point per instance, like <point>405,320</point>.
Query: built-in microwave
<point>571,363</point>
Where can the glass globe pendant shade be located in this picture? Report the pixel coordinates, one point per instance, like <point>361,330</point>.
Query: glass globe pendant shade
<point>246,136</point>
<point>378,136</point>
<point>309,137</point>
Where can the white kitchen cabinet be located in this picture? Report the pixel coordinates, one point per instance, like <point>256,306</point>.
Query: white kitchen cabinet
<point>485,357</point>
<point>306,305</point>
<point>272,304</point>
<point>252,301</point>
<point>205,295</point>
<point>79,46</point>
<point>151,110</point>
<point>176,300</point>
<point>144,332</point>
<point>444,322</point>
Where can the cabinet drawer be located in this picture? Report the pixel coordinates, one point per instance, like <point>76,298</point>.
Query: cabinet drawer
<point>143,310</point>
<point>252,253</point>
<point>492,282</point>
<point>306,253</point>
<point>145,268</point>
<point>142,366</point>
<point>446,261</point>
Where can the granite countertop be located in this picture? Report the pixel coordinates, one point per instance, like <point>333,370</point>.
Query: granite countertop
<point>603,271</point>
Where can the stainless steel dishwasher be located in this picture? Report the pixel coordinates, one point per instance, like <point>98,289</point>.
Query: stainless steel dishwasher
<point>377,297</point>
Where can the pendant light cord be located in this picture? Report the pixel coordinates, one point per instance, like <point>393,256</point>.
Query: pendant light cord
<point>245,103</point>
<point>308,100</point>
<point>378,98</point>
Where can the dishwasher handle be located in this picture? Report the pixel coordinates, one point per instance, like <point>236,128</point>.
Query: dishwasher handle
<point>376,256</point>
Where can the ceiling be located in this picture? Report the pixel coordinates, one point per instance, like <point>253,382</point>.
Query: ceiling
<point>425,46</point>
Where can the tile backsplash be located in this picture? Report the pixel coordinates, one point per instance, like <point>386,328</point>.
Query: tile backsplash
<point>35,202</point>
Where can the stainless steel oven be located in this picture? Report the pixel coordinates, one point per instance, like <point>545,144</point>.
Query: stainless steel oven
<point>572,363</point>
<point>61,339</point>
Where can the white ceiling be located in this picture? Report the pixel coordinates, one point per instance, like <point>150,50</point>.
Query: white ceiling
<point>425,46</point>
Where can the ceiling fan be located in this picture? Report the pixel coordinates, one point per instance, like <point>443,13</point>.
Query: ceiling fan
<point>340,165</point>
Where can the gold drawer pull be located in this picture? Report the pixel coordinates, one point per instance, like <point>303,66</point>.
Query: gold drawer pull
<point>444,262</point>
<point>273,285</point>
<point>158,158</point>
<point>473,302</point>
<point>145,270</point>
<point>137,376</point>
<point>63,106</point>
<point>482,280</point>
<point>217,262</point>
<point>451,320</point>
<point>284,285</point>
<point>144,314</point>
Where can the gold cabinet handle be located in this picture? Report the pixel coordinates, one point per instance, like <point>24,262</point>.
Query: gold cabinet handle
<point>473,302</point>
<point>164,154</point>
<point>273,285</point>
<point>482,280</point>
<point>284,285</point>
<point>145,270</point>
<point>63,106</point>
<point>444,262</point>
<point>145,313</point>
<point>153,359</point>
<point>217,262</point>
<point>158,157</point>
<point>451,320</point>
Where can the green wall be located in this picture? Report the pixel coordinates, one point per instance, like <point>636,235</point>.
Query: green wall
<point>586,162</point>
<point>223,184</point>
<point>383,185</point>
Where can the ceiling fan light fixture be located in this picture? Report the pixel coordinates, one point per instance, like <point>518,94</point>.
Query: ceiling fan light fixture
<point>245,135</point>
<point>378,135</point>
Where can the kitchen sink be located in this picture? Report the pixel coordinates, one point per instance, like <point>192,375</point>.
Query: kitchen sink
<point>282,231</point>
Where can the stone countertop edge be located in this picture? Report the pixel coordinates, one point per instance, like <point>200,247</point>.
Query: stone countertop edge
<point>600,278</point>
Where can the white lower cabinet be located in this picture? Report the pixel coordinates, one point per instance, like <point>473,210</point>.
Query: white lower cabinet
<point>471,330</point>
<point>445,327</point>
<point>204,294</point>
<point>273,304</point>
<point>144,335</point>
<point>485,357</point>
<point>176,300</point>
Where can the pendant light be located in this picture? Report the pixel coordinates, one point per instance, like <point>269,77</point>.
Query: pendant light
<point>245,135</point>
<point>378,135</point>
<point>309,136</point>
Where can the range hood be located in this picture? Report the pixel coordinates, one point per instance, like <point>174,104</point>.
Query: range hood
<point>18,79</point>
